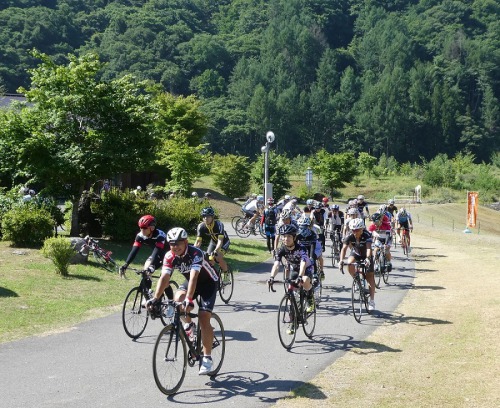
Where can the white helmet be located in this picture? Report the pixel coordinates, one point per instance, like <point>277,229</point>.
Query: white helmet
<point>391,201</point>
<point>287,197</point>
<point>304,221</point>
<point>361,197</point>
<point>176,234</point>
<point>352,211</point>
<point>356,224</point>
<point>285,214</point>
<point>194,194</point>
<point>139,188</point>
<point>310,201</point>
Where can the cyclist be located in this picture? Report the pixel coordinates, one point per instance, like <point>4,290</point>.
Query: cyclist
<point>308,238</point>
<point>360,243</point>
<point>352,213</point>
<point>151,236</point>
<point>292,207</point>
<point>318,215</point>
<point>201,280</point>
<point>252,210</point>
<point>268,220</point>
<point>381,233</point>
<point>403,218</point>
<point>301,266</point>
<point>392,208</point>
<point>336,219</point>
<point>214,230</point>
<point>284,219</point>
<point>281,203</point>
<point>362,206</point>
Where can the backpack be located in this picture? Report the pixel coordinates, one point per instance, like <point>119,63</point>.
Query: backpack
<point>270,216</point>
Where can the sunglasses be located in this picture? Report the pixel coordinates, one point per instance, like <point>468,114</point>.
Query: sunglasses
<point>174,243</point>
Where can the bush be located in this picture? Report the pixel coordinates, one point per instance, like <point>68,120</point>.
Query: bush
<point>232,175</point>
<point>26,226</point>
<point>59,251</point>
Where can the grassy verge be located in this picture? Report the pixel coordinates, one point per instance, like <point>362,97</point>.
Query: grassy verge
<point>34,300</point>
<point>439,348</point>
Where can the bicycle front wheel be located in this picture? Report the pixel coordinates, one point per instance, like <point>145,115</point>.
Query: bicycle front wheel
<point>226,285</point>
<point>241,229</point>
<point>169,360</point>
<point>134,316</point>
<point>357,300</point>
<point>377,268</point>
<point>218,343</point>
<point>308,318</point>
<point>235,220</point>
<point>287,322</point>
<point>332,254</point>
<point>105,261</point>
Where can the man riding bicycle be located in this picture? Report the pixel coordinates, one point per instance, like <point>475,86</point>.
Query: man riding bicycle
<point>403,218</point>
<point>200,280</point>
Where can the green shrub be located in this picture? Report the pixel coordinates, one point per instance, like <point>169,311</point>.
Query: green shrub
<point>232,175</point>
<point>59,251</point>
<point>26,226</point>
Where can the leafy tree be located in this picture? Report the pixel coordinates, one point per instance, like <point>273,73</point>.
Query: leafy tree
<point>279,173</point>
<point>367,162</point>
<point>334,170</point>
<point>79,129</point>
<point>232,174</point>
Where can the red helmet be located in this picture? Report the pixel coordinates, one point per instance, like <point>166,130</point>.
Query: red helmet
<point>147,221</point>
<point>325,199</point>
<point>270,200</point>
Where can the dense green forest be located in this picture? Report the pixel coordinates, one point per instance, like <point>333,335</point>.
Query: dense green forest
<point>405,78</point>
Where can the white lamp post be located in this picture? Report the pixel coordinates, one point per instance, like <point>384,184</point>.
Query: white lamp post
<point>309,179</point>
<point>268,187</point>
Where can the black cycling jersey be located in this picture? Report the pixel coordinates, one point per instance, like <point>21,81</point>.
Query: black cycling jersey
<point>319,216</point>
<point>358,248</point>
<point>214,232</point>
<point>392,209</point>
<point>157,240</point>
<point>193,258</point>
<point>294,256</point>
<point>270,216</point>
<point>306,237</point>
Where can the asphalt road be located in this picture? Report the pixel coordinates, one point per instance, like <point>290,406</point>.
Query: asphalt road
<point>95,364</point>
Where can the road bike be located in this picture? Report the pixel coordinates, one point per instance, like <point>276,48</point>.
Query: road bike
<point>405,241</point>
<point>292,311</point>
<point>380,262</point>
<point>226,280</point>
<point>243,230</point>
<point>336,247</point>
<point>174,350</point>
<point>101,255</point>
<point>360,294</point>
<point>135,314</point>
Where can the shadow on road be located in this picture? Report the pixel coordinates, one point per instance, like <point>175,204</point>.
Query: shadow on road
<point>397,318</point>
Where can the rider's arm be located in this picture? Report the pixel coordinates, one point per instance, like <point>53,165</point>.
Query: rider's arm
<point>163,283</point>
<point>133,253</point>
<point>193,279</point>
<point>302,269</point>
<point>198,242</point>
<point>275,269</point>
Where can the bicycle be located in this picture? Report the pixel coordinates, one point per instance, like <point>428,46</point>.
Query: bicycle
<point>360,294</point>
<point>380,265</point>
<point>336,247</point>
<point>135,315</point>
<point>243,230</point>
<point>226,280</point>
<point>174,350</point>
<point>101,255</point>
<point>292,312</point>
<point>405,241</point>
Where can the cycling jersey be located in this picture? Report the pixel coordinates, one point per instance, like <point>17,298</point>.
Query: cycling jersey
<point>157,240</point>
<point>295,256</point>
<point>319,216</point>
<point>214,231</point>
<point>391,208</point>
<point>358,249</point>
<point>270,216</point>
<point>193,258</point>
<point>253,206</point>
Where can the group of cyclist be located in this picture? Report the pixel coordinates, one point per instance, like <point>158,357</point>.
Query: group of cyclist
<point>172,251</point>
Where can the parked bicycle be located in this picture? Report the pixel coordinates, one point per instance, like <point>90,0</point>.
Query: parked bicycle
<point>360,293</point>
<point>226,280</point>
<point>135,314</point>
<point>101,255</point>
<point>174,350</point>
<point>292,311</point>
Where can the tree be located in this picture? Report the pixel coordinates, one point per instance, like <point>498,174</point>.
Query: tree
<point>232,174</point>
<point>79,129</point>
<point>367,162</point>
<point>334,170</point>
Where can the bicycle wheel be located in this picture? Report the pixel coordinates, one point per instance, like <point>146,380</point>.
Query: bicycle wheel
<point>357,299</point>
<point>218,344</point>
<point>235,220</point>
<point>226,284</point>
<point>332,254</point>
<point>385,273</point>
<point>169,360</point>
<point>318,291</point>
<point>241,230</point>
<point>287,322</point>
<point>308,319</point>
<point>174,286</point>
<point>134,316</point>
<point>407,237</point>
<point>404,244</point>
<point>377,268</point>
<point>105,261</point>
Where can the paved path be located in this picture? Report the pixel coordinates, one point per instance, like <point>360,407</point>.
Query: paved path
<point>94,364</point>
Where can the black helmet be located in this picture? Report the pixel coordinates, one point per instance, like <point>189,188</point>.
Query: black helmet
<point>288,229</point>
<point>208,212</point>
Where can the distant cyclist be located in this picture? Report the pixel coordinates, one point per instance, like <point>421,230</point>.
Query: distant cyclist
<point>403,218</point>
<point>269,220</point>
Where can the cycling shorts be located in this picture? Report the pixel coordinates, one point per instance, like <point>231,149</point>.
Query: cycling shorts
<point>207,293</point>
<point>223,249</point>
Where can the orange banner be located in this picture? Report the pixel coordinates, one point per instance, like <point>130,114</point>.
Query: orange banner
<point>472,204</point>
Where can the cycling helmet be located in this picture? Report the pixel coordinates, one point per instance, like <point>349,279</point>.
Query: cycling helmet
<point>287,197</point>
<point>139,188</point>
<point>194,194</point>
<point>391,201</point>
<point>402,212</point>
<point>146,221</point>
<point>270,201</point>
<point>176,234</point>
<point>325,199</point>
<point>253,195</point>
<point>207,212</point>
<point>288,229</point>
<point>383,208</point>
<point>361,197</point>
<point>318,205</point>
<point>309,201</point>
<point>352,211</point>
<point>260,198</point>
<point>304,222</point>
<point>335,207</point>
<point>208,195</point>
<point>286,214</point>
<point>377,218</point>
<point>356,224</point>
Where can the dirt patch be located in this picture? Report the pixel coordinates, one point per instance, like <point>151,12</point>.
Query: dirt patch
<point>446,332</point>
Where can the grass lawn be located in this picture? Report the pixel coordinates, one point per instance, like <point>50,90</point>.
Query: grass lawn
<point>35,300</point>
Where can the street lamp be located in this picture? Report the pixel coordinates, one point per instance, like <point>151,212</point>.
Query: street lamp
<point>268,187</point>
<point>309,179</point>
